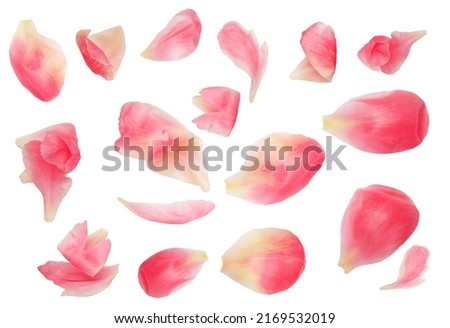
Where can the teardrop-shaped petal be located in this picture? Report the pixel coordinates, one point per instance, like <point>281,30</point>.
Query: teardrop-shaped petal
<point>266,260</point>
<point>39,63</point>
<point>319,44</point>
<point>75,282</point>
<point>383,122</point>
<point>376,223</point>
<point>242,47</point>
<point>172,213</point>
<point>102,51</point>
<point>415,264</point>
<point>221,105</point>
<point>276,167</point>
<point>169,270</point>
<point>178,39</point>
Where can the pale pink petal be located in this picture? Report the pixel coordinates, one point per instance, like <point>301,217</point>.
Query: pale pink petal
<point>221,105</point>
<point>102,51</point>
<point>415,264</point>
<point>169,270</point>
<point>376,52</point>
<point>39,63</point>
<point>178,39</point>
<point>242,47</point>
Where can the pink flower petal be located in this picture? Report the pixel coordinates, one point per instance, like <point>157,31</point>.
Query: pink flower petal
<point>178,39</point>
<point>383,122</point>
<point>169,270</point>
<point>277,167</point>
<point>242,47</point>
<point>415,264</point>
<point>319,44</point>
<point>220,105</point>
<point>267,260</point>
<point>375,53</point>
<point>39,63</point>
<point>377,222</point>
<point>75,282</point>
<point>102,51</point>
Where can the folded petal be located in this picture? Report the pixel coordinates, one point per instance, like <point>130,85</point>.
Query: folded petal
<point>102,51</point>
<point>178,39</point>
<point>169,270</point>
<point>376,52</point>
<point>39,63</point>
<point>242,47</point>
<point>276,167</point>
<point>220,105</point>
<point>383,122</point>
<point>266,260</point>
<point>415,264</point>
<point>376,223</point>
<point>319,44</point>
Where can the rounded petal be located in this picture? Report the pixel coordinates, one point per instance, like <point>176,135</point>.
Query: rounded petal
<point>375,53</point>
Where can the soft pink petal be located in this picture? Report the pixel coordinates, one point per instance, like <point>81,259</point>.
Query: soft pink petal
<point>242,47</point>
<point>178,39</point>
<point>39,63</point>
<point>376,52</point>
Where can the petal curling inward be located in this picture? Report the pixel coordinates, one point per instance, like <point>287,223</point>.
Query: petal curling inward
<point>266,260</point>
<point>38,62</point>
<point>220,105</point>
<point>102,51</point>
<point>383,122</point>
<point>377,221</point>
<point>319,44</point>
<point>178,39</point>
<point>271,176</point>
<point>242,47</point>
<point>169,270</point>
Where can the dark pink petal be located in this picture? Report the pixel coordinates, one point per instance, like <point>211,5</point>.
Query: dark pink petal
<point>178,40</point>
<point>376,52</point>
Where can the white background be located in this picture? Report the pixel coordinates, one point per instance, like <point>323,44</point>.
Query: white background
<point>281,105</point>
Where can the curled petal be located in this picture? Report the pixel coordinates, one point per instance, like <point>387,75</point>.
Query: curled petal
<point>319,44</point>
<point>220,105</point>
<point>376,223</point>
<point>375,53</point>
<point>178,40</point>
<point>415,264</point>
<point>169,270</point>
<point>383,122</point>
<point>102,51</point>
<point>266,260</point>
<point>39,63</point>
<point>276,167</point>
<point>242,47</point>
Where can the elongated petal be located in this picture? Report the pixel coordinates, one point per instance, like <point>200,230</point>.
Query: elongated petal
<point>266,260</point>
<point>415,264</point>
<point>242,47</point>
<point>178,40</point>
<point>75,282</point>
<point>169,270</point>
<point>376,52</point>
<point>220,105</point>
<point>319,44</point>
<point>377,222</point>
<point>102,51</point>
<point>383,122</point>
<point>39,63</point>
<point>276,167</point>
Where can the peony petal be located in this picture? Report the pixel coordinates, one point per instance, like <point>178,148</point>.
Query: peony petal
<point>169,270</point>
<point>415,264</point>
<point>266,260</point>
<point>39,63</point>
<point>383,122</point>
<point>220,105</point>
<point>102,51</point>
<point>375,53</point>
<point>242,47</point>
<point>75,282</point>
<point>377,222</point>
<point>319,44</point>
<point>277,167</point>
<point>178,39</point>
